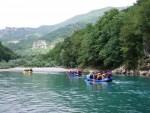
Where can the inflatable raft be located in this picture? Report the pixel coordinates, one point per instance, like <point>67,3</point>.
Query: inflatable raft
<point>102,80</point>
<point>75,73</point>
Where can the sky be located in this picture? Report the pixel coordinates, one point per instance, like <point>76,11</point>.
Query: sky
<point>34,13</point>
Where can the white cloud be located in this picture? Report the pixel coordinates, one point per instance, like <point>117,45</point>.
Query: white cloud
<point>33,13</point>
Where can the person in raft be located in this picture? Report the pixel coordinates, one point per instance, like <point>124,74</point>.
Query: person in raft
<point>103,74</point>
<point>79,72</point>
<point>91,75</point>
<point>108,74</point>
<point>99,76</point>
<point>95,74</point>
<point>70,72</point>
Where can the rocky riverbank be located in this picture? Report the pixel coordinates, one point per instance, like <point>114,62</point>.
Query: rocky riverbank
<point>121,70</point>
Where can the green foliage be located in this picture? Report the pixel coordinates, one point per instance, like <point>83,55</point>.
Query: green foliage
<point>143,22</point>
<point>116,39</point>
<point>84,46</point>
<point>135,35</point>
<point>6,53</point>
<point>63,31</point>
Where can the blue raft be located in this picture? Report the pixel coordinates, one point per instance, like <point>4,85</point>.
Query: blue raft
<point>102,80</point>
<point>74,74</point>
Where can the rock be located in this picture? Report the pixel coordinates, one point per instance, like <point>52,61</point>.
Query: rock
<point>145,72</point>
<point>148,74</point>
<point>40,44</point>
<point>14,41</point>
<point>120,70</point>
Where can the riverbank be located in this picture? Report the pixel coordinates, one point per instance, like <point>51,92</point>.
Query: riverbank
<point>59,69</point>
<point>36,70</point>
<point>121,70</point>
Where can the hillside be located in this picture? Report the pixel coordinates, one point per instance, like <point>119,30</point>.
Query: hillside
<point>63,32</point>
<point>6,53</point>
<point>23,38</point>
<point>90,17</point>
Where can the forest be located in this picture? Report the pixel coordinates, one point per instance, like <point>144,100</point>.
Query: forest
<point>119,38</point>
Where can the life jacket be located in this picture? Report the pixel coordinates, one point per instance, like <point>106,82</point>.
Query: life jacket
<point>108,75</point>
<point>79,72</point>
<point>104,75</point>
<point>99,76</point>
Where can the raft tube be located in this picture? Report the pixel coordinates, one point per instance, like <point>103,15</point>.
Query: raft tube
<point>102,80</point>
<point>74,75</point>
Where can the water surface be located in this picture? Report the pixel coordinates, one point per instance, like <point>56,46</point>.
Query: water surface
<point>58,93</point>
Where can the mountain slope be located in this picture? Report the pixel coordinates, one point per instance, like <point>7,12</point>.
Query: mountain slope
<point>90,17</point>
<point>6,53</point>
<point>23,38</point>
<point>63,31</point>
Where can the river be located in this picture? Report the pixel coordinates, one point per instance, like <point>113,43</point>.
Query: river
<point>58,93</point>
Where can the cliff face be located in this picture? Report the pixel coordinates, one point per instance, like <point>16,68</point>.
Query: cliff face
<point>40,44</point>
<point>143,70</point>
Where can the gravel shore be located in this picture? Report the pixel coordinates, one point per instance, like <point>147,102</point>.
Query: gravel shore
<point>44,69</point>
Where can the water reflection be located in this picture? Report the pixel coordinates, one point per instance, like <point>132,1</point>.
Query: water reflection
<point>27,73</point>
<point>97,86</point>
<point>74,81</point>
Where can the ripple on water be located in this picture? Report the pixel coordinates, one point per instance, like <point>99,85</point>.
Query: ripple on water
<point>123,82</point>
<point>40,93</point>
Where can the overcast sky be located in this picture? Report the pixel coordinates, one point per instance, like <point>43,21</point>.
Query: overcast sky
<point>34,13</point>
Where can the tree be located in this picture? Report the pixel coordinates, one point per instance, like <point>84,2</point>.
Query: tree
<point>143,22</point>
<point>132,46</point>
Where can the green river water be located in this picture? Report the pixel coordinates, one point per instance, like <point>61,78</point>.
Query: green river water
<point>59,93</point>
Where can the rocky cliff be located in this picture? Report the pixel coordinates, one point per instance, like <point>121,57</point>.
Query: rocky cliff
<point>40,44</point>
<point>144,70</point>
